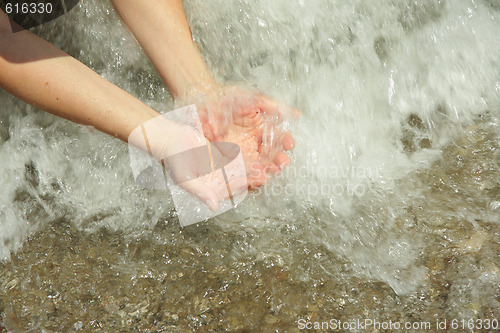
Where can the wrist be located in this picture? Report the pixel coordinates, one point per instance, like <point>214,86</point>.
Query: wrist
<point>203,87</point>
<point>191,85</point>
<point>185,72</point>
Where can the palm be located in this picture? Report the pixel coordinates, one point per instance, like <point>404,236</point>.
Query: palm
<point>251,121</point>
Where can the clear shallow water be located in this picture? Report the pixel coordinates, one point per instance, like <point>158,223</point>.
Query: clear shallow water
<point>390,210</point>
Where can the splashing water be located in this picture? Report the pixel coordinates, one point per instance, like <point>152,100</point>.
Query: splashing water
<point>401,106</point>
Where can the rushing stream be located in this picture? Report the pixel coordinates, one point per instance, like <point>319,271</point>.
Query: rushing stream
<point>389,211</point>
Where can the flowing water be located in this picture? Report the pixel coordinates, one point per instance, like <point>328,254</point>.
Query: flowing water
<point>390,210</point>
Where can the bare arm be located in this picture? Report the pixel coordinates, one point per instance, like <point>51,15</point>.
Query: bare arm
<point>227,114</point>
<point>42,75</point>
<point>161,28</point>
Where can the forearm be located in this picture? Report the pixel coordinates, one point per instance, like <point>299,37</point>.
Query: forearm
<point>42,75</point>
<point>161,28</point>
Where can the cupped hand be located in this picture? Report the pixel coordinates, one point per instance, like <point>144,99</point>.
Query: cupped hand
<point>252,121</point>
<point>195,164</point>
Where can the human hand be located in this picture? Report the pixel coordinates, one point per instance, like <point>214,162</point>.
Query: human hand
<point>252,121</point>
<point>208,171</point>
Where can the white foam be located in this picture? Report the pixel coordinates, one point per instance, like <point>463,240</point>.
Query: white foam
<point>357,69</point>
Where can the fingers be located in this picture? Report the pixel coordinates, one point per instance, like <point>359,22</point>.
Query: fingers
<point>269,107</point>
<point>287,141</point>
<point>215,187</point>
<point>261,173</point>
<point>236,185</point>
<point>203,192</point>
<point>275,152</point>
<point>272,108</point>
<point>258,176</point>
<point>254,122</point>
<point>277,164</point>
<point>281,160</point>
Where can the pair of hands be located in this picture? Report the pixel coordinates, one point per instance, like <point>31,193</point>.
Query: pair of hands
<point>247,118</point>
<point>228,114</point>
